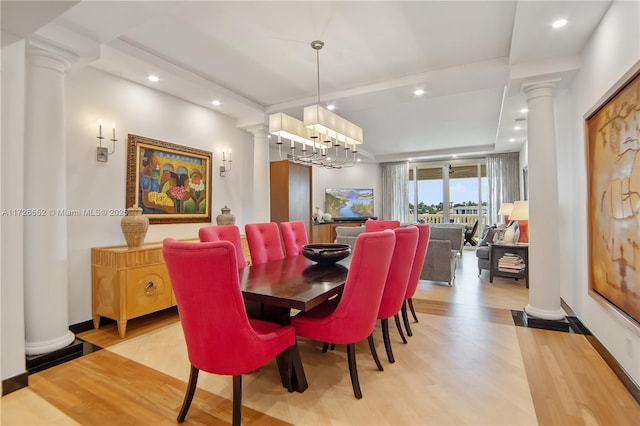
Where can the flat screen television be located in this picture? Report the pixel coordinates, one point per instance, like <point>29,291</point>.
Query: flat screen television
<point>348,203</point>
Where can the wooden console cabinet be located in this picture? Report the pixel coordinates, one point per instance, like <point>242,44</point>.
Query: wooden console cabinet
<point>128,283</point>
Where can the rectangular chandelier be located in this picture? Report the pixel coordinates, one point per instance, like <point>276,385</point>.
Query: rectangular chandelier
<point>324,122</point>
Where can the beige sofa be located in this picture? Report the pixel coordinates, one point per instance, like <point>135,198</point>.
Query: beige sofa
<point>348,234</point>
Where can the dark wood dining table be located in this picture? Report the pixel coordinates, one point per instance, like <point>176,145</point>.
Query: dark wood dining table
<point>272,289</point>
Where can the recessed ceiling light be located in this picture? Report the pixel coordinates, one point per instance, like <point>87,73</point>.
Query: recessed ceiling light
<point>516,128</point>
<point>358,159</point>
<point>524,111</point>
<point>418,92</point>
<point>512,140</point>
<point>559,23</point>
<point>153,78</point>
<point>331,107</point>
<point>216,103</point>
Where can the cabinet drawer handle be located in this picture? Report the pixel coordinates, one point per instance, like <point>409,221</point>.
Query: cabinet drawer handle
<point>150,289</point>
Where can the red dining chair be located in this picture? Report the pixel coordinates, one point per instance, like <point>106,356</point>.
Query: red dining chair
<point>353,317</point>
<point>294,236</point>
<point>220,338</point>
<point>229,233</point>
<point>379,225</point>
<point>264,242</point>
<point>395,287</point>
<point>424,232</point>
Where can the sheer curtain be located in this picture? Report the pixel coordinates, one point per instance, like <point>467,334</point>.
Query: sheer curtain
<point>504,185</point>
<point>395,191</point>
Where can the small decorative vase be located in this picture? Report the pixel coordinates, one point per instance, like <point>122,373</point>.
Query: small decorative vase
<point>226,218</point>
<point>317,215</point>
<point>134,226</point>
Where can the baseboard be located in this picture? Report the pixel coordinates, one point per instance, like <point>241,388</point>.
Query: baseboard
<point>615,366</point>
<point>15,383</point>
<point>88,325</point>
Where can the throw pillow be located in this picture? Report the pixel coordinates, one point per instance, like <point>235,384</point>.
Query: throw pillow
<point>487,235</point>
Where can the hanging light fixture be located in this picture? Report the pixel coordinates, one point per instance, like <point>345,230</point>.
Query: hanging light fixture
<point>319,132</point>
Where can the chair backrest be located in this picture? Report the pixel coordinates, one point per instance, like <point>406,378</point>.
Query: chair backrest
<point>395,287</point>
<point>380,225</point>
<point>294,236</point>
<point>424,233</point>
<point>204,277</point>
<point>229,233</point>
<point>264,242</point>
<point>471,232</point>
<point>357,309</point>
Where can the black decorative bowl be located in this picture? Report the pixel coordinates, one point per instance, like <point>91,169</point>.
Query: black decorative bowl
<point>326,253</point>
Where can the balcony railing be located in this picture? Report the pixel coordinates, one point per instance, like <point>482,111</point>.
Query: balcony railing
<point>465,219</point>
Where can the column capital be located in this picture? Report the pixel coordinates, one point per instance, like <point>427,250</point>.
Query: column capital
<point>44,54</point>
<point>259,130</point>
<point>536,88</point>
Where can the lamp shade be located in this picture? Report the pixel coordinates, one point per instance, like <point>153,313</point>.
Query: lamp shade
<point>520,210</point>
<point>290,128</point>
<point>505,209</point>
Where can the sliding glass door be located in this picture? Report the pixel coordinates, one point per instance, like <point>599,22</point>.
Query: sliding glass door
<point>462,187</point>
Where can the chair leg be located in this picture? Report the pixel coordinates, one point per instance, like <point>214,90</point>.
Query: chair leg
<point>237,400</point>
<point>353,370</point>
<point>374,354</point>
<point>387,341</point>
<point>333,346</point>
<point>413,312</point>
<point>399,327</point>
<point>188,397</point>
<point>325,346</point>
<point>405,319</point>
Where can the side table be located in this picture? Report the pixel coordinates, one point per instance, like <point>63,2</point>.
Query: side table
<point>509,260</point>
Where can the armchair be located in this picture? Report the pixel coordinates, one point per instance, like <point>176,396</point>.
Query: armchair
<point>220,338</point>
<point>353,316</point>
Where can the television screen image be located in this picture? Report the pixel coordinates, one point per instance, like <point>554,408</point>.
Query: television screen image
<point>348,203</point>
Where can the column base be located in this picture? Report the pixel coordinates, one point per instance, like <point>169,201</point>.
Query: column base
<point>37,363</point>
<point>546,324</point>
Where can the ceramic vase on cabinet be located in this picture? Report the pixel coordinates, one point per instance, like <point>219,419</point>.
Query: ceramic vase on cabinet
<point>226,217</point>
<point>134,226</point>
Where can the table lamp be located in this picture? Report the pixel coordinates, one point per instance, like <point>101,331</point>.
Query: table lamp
<point>520,213</point>
<point>505,210</point>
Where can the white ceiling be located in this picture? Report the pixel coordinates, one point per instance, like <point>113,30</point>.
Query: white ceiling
<point>470,57</point>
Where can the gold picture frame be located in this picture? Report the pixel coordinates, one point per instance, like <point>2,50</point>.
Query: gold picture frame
<point>171,183</point>
<point>613,196</point>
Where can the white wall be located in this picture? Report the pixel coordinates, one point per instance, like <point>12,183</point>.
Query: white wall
<point>362,175</point>
<point>11,229</point>
<point>612,51</point>
<point>136,109</point>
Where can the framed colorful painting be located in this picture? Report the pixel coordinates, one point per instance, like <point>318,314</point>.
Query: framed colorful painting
<point>171,183</point>
<point>613,185</point>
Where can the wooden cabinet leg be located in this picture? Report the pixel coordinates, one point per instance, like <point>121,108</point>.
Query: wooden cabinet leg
<point>96,321</point>
<point>122,328</point>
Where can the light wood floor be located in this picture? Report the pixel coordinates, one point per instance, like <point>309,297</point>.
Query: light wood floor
<point>466,364</point>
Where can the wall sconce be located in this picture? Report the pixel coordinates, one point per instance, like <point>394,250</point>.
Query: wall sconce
<point>102,153</point>
<point>224,169</point>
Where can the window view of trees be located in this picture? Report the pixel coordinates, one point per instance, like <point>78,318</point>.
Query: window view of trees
<point>463,193</point>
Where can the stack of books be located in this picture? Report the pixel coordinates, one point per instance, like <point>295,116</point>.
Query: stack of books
<point>510,262</point>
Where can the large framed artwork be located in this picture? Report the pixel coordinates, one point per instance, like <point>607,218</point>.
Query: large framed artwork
<point>171,183</point>
<point>613,185</point>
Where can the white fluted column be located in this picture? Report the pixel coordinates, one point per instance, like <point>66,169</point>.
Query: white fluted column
<point>45,188</point>
<point>261,192</point>
<point>544,246</point>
